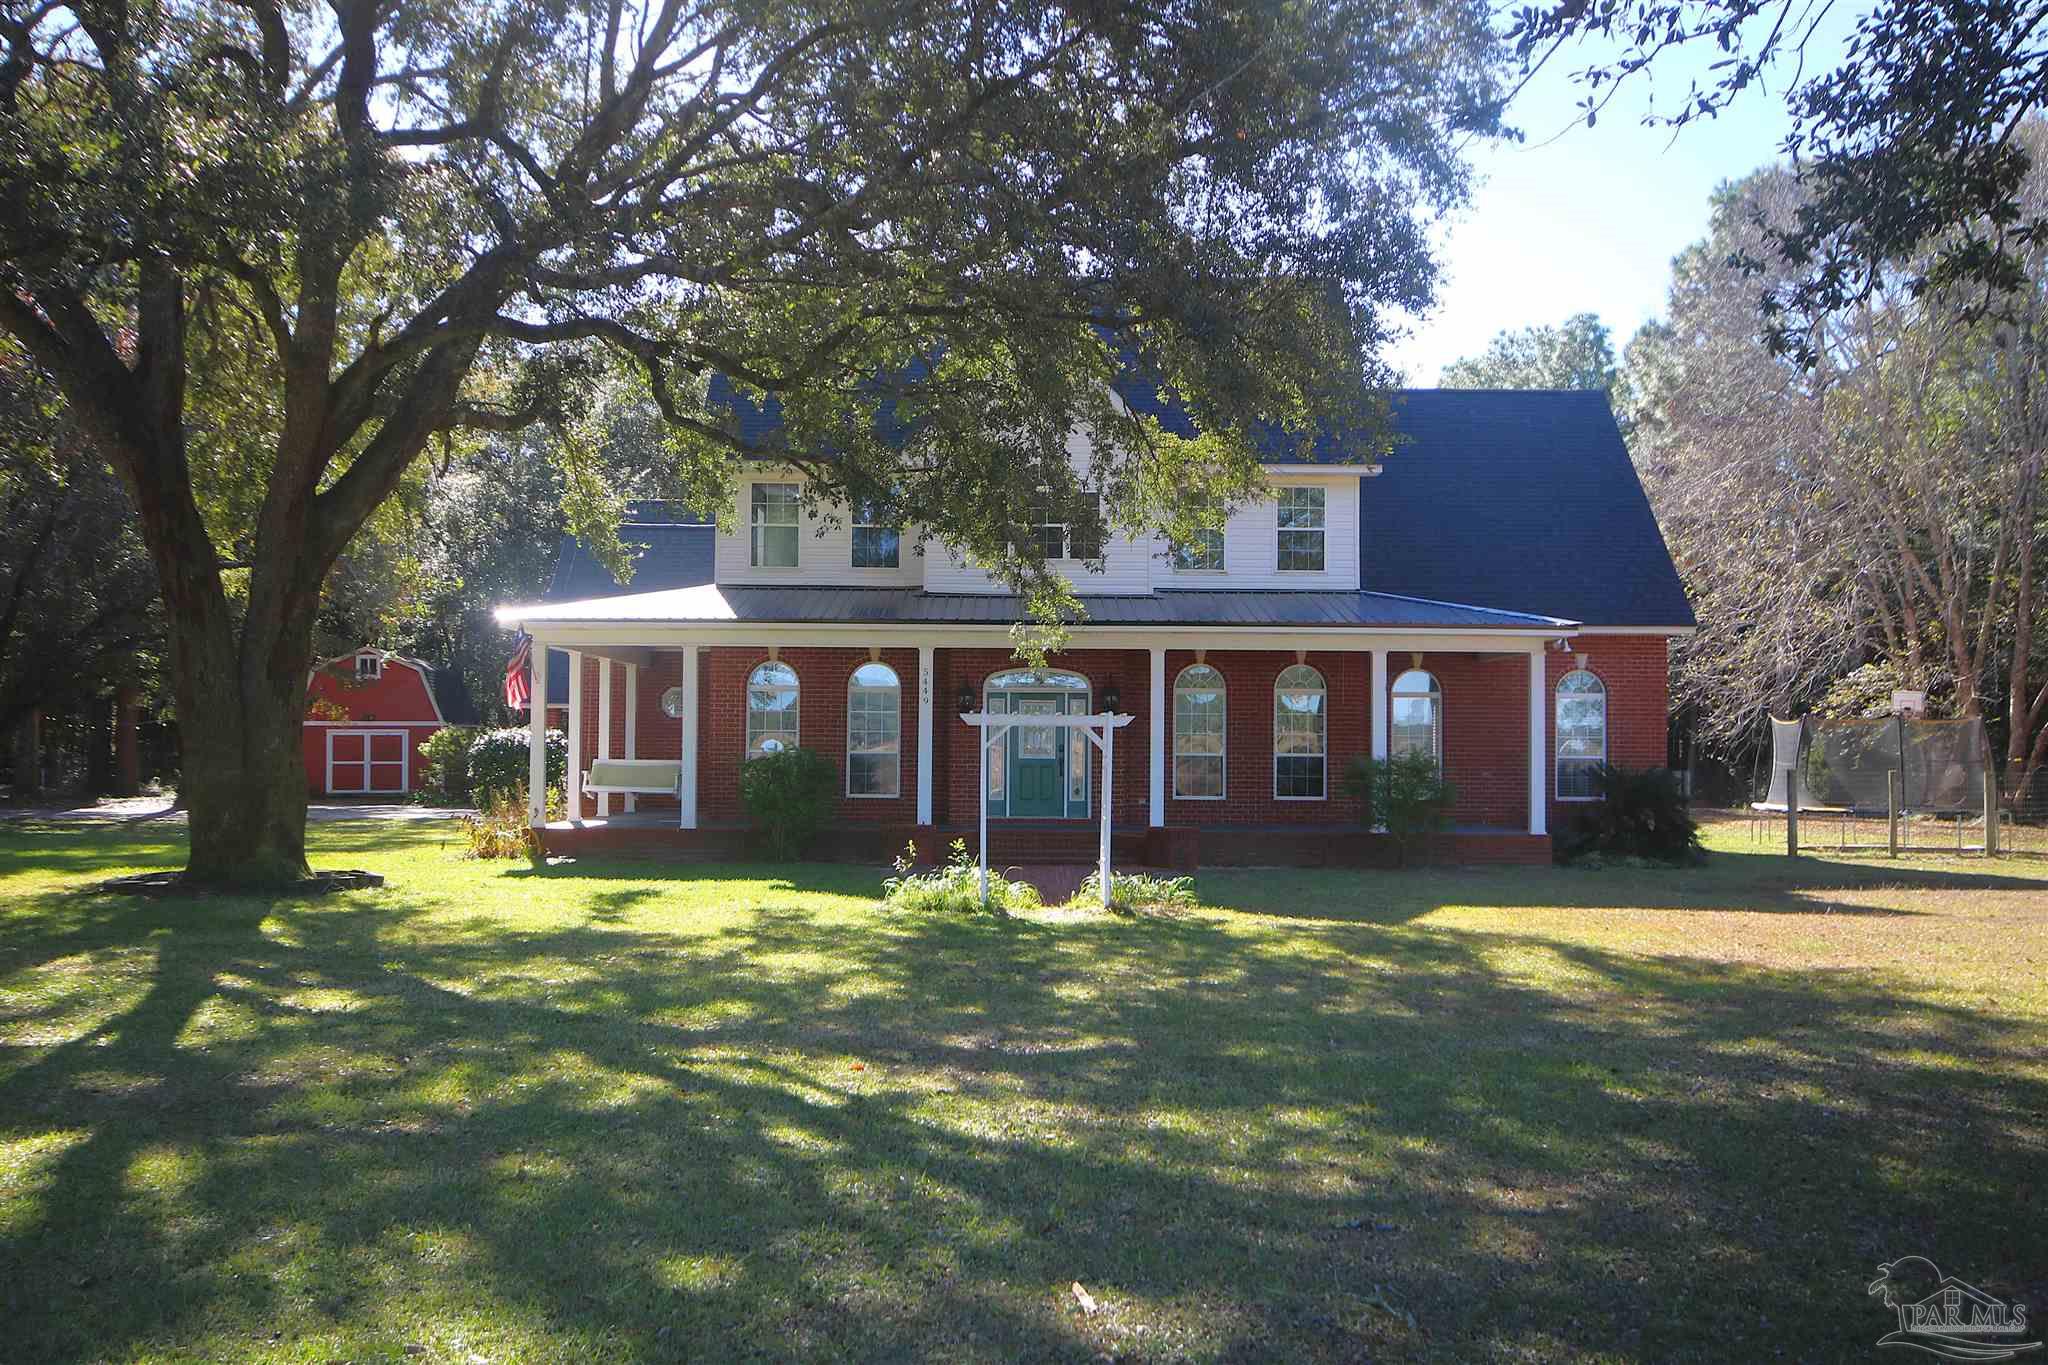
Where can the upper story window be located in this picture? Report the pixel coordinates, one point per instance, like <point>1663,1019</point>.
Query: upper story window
<point>1300,739</point>
<point>1581,735</point>
<point>369,667</point>
<point>774,524</point>
<point>876,543</point>
<point>1418,717</point>
<point>1301,529</point>
<point>771,710</point>
<point>874,731</point>
<point>1063,531</point>
<point>1200,553</point>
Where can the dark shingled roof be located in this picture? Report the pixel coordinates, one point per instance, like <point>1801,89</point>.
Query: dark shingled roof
<point>451,693</point>
<point>1523,500</point>
<point>671,548</point>
<point>1516,500</point>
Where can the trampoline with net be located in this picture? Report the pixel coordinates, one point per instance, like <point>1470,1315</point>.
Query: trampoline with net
<point>1886,782</point>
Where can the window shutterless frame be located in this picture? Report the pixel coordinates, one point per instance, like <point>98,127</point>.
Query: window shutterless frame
<point>1200,553</point>
<point>772,716</point>
<point>874,733</point>
<point>1580,725</point>
<point>1417,717</point>
<point>876,545</point>
<point>1300,735</point>
<point>773,514</point>
<point>1201,701</point>
<point>1301,516</point>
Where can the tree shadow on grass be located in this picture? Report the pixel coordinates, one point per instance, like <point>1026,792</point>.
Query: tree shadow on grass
<point>372,1125</point>
<point>1758,883</point>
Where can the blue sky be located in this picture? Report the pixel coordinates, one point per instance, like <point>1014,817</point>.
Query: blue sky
<point>1589,221</point>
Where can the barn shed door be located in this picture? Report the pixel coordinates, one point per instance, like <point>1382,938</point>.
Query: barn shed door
<point>366,761</point>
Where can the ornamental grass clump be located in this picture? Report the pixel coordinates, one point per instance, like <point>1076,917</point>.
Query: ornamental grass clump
<point>500,829</point>
<point>954,887</point>
<point>1135,892</point>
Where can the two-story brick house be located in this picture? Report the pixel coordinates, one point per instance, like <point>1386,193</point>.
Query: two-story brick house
<point>1496,594</point>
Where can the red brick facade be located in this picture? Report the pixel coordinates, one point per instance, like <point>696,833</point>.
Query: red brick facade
<point>1485,726</point>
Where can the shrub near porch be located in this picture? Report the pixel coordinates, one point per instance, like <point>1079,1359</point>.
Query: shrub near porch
<point>632,1112</point>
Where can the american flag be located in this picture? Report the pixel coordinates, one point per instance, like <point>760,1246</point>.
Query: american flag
<point>518,686</point>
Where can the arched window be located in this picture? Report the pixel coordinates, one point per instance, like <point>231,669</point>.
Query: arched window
<point>771,710</point>
<point>874,732</point>
<point>1299,738</point>
<point>1418,717</point>
<point>1198,716</point>
<point>1581,734</point>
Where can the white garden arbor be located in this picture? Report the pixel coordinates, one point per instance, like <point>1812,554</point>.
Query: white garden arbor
<point>1100,728</point>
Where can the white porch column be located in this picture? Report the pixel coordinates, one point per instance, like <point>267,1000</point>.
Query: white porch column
<point>1379,703</point>
<point>632,721</point>
<point>926,683</point>
<point>604,728</point>
<point>687,796</point>
<point>1538,768</point>
<point>1158,737</point>
<point>537,734</point>
<point>573,781</point>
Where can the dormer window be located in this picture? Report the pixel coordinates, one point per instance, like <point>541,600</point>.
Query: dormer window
<point>369,667</point>
<point>876,544</point>
<point>774,525</point>
<point>1301,530</point>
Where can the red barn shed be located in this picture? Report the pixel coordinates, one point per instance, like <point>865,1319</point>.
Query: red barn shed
<point>367,714</point>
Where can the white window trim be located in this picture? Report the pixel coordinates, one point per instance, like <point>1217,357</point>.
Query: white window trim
<point>796,710</point>
<point>754,527</point>
<point>1323,711</point>
<point>1066,554</point>
<point>1557,737</point>
<point>858,522</point>
<point>1435,694</point>
<point>376,669</point>
<point>1223,755</point>
<point>1322,531</point>
<point>367,789</point>
<point>1222,555</point>
<point>853,687</point>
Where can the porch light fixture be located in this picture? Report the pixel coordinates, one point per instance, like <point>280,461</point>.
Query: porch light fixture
<point>965,701</point>
<point>1111,697</point>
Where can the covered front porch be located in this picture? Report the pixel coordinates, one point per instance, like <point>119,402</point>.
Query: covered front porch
<point>1234,754</point>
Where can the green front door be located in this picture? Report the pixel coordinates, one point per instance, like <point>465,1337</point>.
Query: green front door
<point>1038,768</point>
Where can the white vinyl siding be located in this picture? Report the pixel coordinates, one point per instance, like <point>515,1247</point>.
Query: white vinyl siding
<point>825,554</point>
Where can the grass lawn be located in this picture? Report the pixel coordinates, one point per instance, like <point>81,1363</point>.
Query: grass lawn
<point>618,1111</point>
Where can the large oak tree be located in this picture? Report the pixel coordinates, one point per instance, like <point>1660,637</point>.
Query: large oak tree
<point>275,251</point>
